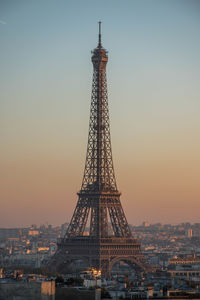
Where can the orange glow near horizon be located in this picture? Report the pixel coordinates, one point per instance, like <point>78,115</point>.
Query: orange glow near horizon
<point>155,188</point>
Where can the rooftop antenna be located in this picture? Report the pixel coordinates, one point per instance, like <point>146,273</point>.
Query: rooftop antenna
<point>99,45</point>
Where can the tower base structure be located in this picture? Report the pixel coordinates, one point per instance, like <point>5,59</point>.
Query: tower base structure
<point>100,254</point>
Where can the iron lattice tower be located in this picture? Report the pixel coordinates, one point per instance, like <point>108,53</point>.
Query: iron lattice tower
<point>99,198</point>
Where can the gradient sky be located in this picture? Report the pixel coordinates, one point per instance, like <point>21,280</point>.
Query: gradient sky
<point>154,98</point>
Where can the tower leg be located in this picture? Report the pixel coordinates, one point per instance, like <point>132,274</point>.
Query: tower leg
<point>105,268</point>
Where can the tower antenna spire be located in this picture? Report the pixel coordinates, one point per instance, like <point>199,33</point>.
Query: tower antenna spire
<point>99,45</point>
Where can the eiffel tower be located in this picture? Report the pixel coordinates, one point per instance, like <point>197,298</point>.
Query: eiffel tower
<point>99,199</point>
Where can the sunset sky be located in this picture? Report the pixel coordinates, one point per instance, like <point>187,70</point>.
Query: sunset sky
<point>154,100</point>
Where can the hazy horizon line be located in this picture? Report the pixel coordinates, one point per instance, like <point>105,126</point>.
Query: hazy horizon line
<point>57,225</point>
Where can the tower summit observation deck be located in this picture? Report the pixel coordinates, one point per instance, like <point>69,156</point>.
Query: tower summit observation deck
<point>98,200</point>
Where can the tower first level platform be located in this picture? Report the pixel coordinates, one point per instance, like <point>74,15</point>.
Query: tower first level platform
<point>100,253</point>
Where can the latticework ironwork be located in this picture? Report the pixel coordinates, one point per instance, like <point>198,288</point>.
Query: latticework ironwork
<point>99,195</point>
<point>99,172</point>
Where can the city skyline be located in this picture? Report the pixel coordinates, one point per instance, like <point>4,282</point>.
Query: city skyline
<point>153,75</point>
